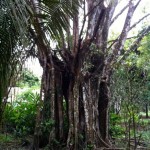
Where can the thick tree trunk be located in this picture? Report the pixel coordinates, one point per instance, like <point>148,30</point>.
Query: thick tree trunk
<point>59,121</point>
<point>70,139</point>
<point>103,109</point>
<point>73,110</point>
<point>95,104</point>
<point>90,101</point>
<point>47,115</point>
<point>84,119</point>
<point>82,126</point>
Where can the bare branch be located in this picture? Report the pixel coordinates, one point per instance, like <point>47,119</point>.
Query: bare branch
<point>90,11</point>
<point>94,10</point>
<point>137,4</point>
<point>125,30</point>
<point>75,32</point>
<point>136,43</point>
<point>84,20</point>
<point>115,40</point>
<point>98,24</point>
<point>134,25</point>
<point>118,46</point>
<point>102,36</point>
<point>112,10</point>
<point>124,10</point>
<point>119,14</point>
<point>140,37</point>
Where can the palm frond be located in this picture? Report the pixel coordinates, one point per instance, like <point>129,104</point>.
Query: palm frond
<point>15,18</point>
<point>55,15</point>
<point>9,50</point>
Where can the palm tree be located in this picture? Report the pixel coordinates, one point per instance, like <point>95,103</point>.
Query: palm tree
<point>9,54</point>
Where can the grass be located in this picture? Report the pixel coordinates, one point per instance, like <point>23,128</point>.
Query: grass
<point>4,138</point>
<point>143,113</point>
<point>11,142</point>
<point>8,141</point>
<point>146,138</point>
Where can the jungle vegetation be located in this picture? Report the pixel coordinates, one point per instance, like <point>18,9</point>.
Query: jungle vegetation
<point>95,83</point>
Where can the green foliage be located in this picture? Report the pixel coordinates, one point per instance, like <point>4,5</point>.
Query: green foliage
<point>5,138</point>
<point>130,90</point>
<point>116,130</point>
<point>8,41</point>
<point>146,135</point>
<point>56,15</point>
<point>144,122</point>
<point>28,79</point>
<point>90,147</point>
<point>47,125</point>
<point>144,49</point>
<point>20,116</point>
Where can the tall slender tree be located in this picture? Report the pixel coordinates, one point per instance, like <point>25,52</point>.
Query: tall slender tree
<point>10,55</point>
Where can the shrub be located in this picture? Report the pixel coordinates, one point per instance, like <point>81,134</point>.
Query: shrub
<point>21,114</point>
<point>115,129</point>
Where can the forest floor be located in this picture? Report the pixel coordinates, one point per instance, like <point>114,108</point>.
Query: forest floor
<point>11,142</point>
<point>142,135</point>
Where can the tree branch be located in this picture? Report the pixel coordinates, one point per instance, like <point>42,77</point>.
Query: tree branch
<point>94,10</point>
<point>98,24</point>
<point>84,20</point>
<point>119,45</point>
<point>116,17</point>
<point>134,25</point>
<point>136,43</point>
<point>139,39</point>
<point>90,11</point>
<point>137,4</point>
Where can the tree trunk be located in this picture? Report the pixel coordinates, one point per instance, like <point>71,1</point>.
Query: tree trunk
<point>103,109</point>
<point>73,110</point>
<point>59,106</point>
<point>80,74</point>
<point>146,110</point>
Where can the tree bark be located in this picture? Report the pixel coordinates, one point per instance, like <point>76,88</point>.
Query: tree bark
<point>103,109</point>
<point>146,110</point>
<point>78,77</point>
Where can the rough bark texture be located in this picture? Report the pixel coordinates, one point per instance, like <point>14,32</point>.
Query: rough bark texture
<point>76,81</point>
